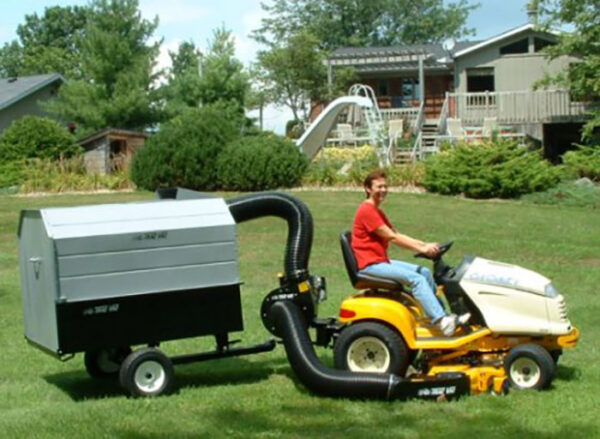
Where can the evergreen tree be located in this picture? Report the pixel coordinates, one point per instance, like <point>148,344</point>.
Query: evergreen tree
<point>222,75</point>
<point>183,87</point>
<point>117,61</point>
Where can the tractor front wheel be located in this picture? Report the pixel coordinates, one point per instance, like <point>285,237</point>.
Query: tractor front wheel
<point>529,366</point>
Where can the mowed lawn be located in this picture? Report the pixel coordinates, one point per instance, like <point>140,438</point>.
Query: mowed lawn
<point>259,396</point>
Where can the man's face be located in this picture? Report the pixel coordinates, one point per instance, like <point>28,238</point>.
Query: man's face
<point>378,190</point>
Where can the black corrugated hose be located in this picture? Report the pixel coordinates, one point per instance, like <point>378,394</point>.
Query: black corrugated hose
<point>313,374</point>
<point>291,209</point>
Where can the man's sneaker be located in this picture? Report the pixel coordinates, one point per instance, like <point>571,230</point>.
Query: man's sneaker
<point>447,325</point>
<point>463,319</point>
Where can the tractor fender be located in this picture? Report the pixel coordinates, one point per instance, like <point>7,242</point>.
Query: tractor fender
<point>388,311</point>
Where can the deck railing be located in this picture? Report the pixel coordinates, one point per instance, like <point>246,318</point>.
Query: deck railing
<point>409,114</point>
<point>516,107</point>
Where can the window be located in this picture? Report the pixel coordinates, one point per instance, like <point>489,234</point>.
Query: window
<point>382,88</point>
<point>410,89</point>
<point>480,79</point>
<point>521,46</point>
<point>540,43</point>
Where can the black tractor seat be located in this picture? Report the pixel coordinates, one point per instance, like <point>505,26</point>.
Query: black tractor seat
<point>362,281</point>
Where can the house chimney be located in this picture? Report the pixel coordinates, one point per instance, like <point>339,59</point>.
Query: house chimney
<point>532,11</point>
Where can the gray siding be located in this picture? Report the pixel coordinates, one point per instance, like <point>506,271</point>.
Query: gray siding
<point>26,106</point>
<point>515,72</point>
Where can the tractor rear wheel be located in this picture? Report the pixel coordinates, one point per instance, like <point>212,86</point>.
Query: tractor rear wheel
<point>371,347</point>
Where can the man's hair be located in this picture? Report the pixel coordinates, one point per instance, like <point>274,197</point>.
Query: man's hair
<point>373,175</point>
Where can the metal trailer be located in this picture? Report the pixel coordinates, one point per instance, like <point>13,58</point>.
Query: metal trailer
<point>100,279</point>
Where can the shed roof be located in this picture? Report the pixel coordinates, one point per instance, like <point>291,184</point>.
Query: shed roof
<point>14,89</point>
<point>107,132</point>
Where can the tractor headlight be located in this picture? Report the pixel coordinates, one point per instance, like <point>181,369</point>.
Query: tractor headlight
<point>550,291</point>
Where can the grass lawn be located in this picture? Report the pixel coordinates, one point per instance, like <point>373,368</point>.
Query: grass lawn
<point>258,396</point>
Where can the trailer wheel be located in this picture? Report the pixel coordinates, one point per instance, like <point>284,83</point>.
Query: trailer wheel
<point>371,347</point>
<point>529,366</point>
<point>147,372</point>
<point>105,363</point>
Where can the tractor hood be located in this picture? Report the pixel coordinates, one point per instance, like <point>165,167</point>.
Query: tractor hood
<point>488,272</point>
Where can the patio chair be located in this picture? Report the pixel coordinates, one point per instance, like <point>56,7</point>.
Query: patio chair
<point>455,129</point>
<point>345,133</point>
<point>395,131</point>
<point>490,124</point>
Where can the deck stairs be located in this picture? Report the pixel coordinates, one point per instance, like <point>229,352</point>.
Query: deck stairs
<point>429,137</point>
<point>425,145</point>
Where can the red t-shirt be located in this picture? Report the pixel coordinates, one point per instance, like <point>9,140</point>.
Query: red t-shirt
<point>369,248</point>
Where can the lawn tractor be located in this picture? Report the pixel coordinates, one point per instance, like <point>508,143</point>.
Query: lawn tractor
<point>516,334</point>
<point>104,279</point>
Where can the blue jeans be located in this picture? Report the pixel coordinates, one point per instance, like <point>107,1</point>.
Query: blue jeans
<point>421,282</point>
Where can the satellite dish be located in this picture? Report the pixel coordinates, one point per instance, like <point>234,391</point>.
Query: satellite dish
<point>448,44</point>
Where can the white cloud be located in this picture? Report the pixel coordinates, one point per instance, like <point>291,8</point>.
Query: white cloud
<point>173,11</point>
<point>274,118</point>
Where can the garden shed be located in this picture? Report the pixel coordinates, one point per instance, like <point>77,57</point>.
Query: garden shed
<point>111,149</point>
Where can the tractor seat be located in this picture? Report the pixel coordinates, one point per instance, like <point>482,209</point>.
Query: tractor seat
<point>362,281</point>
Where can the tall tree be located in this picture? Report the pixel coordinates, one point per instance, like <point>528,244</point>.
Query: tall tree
<point>222,75</point>
<point>337,23</point>
<point>294,75</point>
<point>47,44</point>
<point>117,61</point>
<point>183,87</point>
<point>583,77</point>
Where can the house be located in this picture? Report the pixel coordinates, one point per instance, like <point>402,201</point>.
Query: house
<point>426,84</point>
<point>110,150</point>
<point>21,96</point>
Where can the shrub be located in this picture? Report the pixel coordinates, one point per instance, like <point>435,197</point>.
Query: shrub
<point>185,150</point>
<point>502,169</point>
<point>583,162</point>
<point>37,137</point>
<point>261,162</point>
<point>11,173</point>
<point>44,175</point>
<point>341,165</point>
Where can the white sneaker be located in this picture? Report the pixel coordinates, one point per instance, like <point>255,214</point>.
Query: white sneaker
<point>447,325</point>
<point>463,319</point>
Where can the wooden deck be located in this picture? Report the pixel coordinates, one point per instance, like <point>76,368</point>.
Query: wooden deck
<point>517,107</point>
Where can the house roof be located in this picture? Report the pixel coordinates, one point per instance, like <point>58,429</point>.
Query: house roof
<point>395,58</point>
<point>110,132</point>
<point>14,89</point>
<point>507,34</point>
<point>406,57</point>
<point>434,50</point>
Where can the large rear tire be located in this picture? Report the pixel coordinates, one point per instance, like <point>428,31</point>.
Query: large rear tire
<point>529,366</point>
<point>371,347</point>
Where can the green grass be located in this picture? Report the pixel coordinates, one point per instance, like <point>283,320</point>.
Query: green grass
<point>258,396</point>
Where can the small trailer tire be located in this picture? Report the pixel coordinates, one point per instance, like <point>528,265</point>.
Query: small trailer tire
<point>105,363</point>
<point>147,372</point>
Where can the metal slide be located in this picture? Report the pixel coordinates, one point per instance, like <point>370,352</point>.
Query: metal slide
<point>316,135</point>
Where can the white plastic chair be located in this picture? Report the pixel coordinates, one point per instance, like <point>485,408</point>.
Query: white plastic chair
<point>455,129</point>
<point>395,131</point>
<point>490,124</point>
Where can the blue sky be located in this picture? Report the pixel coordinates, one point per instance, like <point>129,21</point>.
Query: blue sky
<point>194,20</point>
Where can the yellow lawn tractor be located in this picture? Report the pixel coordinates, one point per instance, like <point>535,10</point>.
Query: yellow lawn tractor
<point>518,329</point>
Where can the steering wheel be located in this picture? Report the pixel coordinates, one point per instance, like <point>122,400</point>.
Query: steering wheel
<point>444,247</point>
